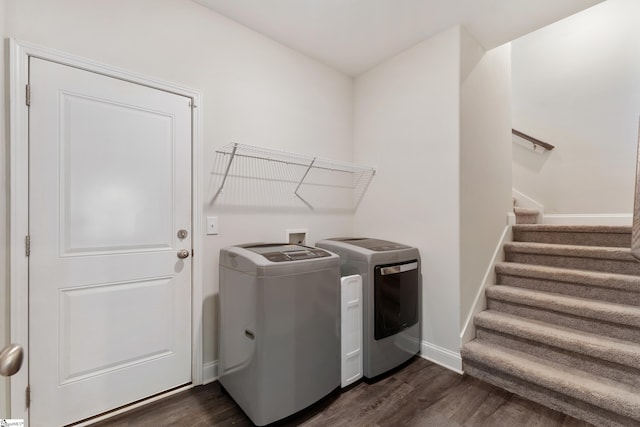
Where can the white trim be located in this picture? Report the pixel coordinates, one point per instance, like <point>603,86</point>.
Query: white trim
<point>480,303</point>
<point>18,199</point>
<point>527,202</point>
<point>197,231</point>
<point>210,372</point>
<point>18,222</point>
<point>134,406</point>
<point>441,356</point>
<point>589,219</point>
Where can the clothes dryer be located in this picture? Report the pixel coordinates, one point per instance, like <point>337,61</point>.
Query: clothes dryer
<point>279,327</point>
<point>391,287</point>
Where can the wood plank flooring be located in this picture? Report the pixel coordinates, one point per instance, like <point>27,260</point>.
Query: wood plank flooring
<point>419,394</point>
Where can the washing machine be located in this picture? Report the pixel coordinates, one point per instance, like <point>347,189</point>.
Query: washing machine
<point>391,288</point>
<point>279,327</point>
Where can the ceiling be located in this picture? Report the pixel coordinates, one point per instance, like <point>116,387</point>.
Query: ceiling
<point>354,35</point>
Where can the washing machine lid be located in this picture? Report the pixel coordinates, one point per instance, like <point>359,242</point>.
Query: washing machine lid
<point>375,245</point>
<point>281,252</point>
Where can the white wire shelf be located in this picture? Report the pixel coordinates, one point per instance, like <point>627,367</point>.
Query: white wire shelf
<point>290,173</point>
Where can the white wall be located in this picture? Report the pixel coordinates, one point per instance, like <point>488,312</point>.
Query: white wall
<point>576,85</point>
<point>485,161</point>
<point>4,276</point>
<point>406,123</point>
<point>255,91</point>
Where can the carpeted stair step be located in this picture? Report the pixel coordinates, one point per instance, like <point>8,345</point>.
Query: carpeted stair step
<point>615,359</point>
<point>526,216</point>
<point>608,319</point>
<point>563,322</point>
<point>607,259</point>
<point>572,391</point>
<point>582,235</point>
<point>617,288</point>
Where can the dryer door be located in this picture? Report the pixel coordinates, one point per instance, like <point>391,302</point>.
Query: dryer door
<point>396,298</point>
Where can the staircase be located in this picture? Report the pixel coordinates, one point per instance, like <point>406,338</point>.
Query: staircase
<point>562,326</point>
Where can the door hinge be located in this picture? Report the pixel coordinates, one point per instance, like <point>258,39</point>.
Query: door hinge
<point>192,105</point>
<point>28,95</point>
<point>27,396</point>
<point>27,245</point>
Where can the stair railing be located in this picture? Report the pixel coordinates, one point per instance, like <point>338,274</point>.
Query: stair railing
<point>536,142</point>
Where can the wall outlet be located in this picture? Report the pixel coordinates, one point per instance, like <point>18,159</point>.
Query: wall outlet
<point>212,225</point>
<point>297,236</point>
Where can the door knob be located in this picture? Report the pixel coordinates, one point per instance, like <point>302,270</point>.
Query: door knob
<point>10,360</point>
<point>183,253</point>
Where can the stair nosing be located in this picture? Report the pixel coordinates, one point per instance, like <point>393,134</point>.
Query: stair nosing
<point>566,228</point>
<point>600,279</point>
<point>591,344</point>
<point>573,251</point>
<point>576,306</point>
<point>559,378</point>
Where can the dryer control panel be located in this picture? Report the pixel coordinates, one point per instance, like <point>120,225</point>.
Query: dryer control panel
<point>375,245</point>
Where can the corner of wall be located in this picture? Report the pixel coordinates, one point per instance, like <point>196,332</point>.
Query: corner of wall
<point>441,356</point>
<point>485,167</point>
<point>471,52</point>
<point>209,372</point>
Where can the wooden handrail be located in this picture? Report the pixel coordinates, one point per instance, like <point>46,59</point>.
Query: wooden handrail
<point>533,140</point>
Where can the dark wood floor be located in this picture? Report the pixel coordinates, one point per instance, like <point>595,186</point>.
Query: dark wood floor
<point>419,394</point>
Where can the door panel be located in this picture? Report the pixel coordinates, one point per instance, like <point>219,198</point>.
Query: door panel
<point>89,327</point>
<point>110,204</point>
<point>109,187</point>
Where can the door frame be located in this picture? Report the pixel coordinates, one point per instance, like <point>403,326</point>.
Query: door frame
<point>19,54</point>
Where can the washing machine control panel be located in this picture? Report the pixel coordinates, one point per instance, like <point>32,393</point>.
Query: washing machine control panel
<point>284,252</point>
<point>296,255</point>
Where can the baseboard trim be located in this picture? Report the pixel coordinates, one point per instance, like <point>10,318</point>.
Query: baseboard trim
<point>589,219</point>
<point>209,372</point>
<point>442,356</point>
<point>479,304</point>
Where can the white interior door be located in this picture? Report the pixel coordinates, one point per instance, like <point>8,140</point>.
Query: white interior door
<point>109,189</point>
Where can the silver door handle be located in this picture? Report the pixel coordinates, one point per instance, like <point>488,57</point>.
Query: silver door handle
<point>10,359</point>
<point>398,268</point>
<point>183,253</point>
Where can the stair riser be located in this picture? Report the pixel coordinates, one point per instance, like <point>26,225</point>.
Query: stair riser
<point>590,264</point>
<point>612,240</point>
<point>623,332</point>
<point>565,404</point>
<point>526,219</point>
<point>565,356</point>
<point>617,296</point>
